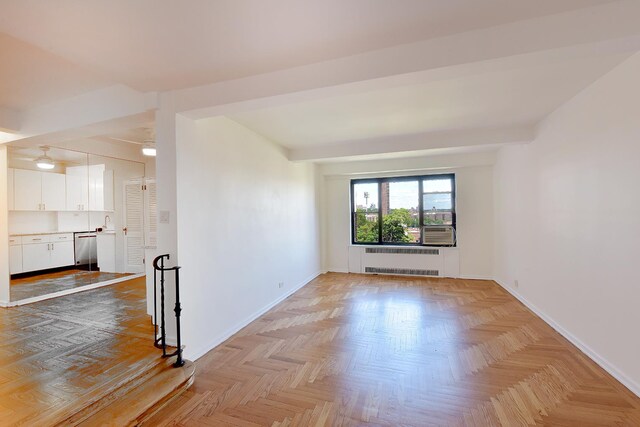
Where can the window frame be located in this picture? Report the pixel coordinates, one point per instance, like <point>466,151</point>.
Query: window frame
<point>420,179</point>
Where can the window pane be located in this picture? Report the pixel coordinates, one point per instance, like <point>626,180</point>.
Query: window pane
<point>366,226</point>
<point>365,196</point>
<point>438,218</point>
<point>400,219</point>
<point>436,201</point>
<point>365,221</point>
<point>436,185</point>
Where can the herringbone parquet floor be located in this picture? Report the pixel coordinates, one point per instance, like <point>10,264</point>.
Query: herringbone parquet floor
<point>357,349</point>
<point>61,354</point>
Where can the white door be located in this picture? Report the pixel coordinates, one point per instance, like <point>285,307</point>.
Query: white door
<point>28,190</point>
<point>36,256</point>
<point>53,192</point>
<point>62,254</point>
<point>133,226</point>
<point>150,213</point>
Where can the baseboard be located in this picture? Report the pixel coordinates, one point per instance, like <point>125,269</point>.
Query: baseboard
<point>4,304</point>
<point>336,270</point>
<point>466,277</point>
<point>73,291</point>
<point>632,385</point>
<point>198,353</point>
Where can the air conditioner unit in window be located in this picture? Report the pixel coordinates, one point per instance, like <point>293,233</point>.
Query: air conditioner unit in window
<point>441,235</point>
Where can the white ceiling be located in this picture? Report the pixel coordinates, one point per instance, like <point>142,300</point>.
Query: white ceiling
<point>167,44</point>
<point>473,96</point>
<point>30,76</point>
<point>503,97</point>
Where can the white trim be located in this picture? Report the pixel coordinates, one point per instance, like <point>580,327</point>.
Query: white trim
<point>627,381</point>
<point>4,304</point>
<point>336,270</point>
<point>195,355</point>
<point>467,277</point>
<point>72,291</point>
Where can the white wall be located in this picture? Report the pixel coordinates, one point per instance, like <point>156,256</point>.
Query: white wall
<point>4,229</point>
<point>247,219</point>
<point>568,220</point>
<point>474,210</point>
<point>25,222</point>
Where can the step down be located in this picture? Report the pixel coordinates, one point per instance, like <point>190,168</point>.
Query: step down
<point>138,399</point>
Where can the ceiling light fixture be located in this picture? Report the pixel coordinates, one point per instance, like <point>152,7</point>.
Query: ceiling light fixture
<point>149,148</point>
<point>149,144</point>
<point>44,161</point>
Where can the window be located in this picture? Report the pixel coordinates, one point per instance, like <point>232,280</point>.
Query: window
<point>366,214</point>
<point>394,210</point>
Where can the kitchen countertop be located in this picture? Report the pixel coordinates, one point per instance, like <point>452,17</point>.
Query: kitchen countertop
<point>42,233</point>
<point>62,232</point>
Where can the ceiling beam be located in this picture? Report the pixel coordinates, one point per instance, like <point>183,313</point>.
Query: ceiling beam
<point>78,115</point>
<point>415,142</point>
<point>407,165</point>
<point>610,26</point>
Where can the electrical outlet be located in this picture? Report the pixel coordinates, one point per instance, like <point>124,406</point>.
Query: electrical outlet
<point>280,284</point>
<point>516,284</point>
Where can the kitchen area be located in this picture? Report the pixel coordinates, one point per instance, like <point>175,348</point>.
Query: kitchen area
<point>76,220</point>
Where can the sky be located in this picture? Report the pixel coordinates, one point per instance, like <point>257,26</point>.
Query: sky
<point>404,194</point>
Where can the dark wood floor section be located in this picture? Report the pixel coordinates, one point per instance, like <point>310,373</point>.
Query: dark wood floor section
<point>59,353</point>
<point>358,349</point>
<point>49,283</point>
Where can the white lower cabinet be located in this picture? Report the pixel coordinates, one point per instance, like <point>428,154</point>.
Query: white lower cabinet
<point>106,247</point>
<point>43,252</point>
<point>62,254</point>
<point>15,259</point>
<point>35,256</point>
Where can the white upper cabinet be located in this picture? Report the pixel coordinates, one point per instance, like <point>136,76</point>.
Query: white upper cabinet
<point>82,188</point>
<point>89,188</point>
<point>53,192</point>
<point>109,202</point>
<point>28,190</point>
<point>38,191</point>
<point>77,188</point>
<point>96,187</point>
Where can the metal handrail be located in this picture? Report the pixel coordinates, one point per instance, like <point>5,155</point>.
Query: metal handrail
<point>161,342</point>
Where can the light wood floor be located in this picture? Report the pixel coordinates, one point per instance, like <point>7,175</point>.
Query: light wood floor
<point>358,349</point>
<point>57,355</point>
<point>48,283</point>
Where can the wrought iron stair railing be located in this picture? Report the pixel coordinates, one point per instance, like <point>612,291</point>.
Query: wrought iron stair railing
<point>161,341</point>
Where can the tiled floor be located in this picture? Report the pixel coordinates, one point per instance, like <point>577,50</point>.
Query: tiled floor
<point>45,284</point>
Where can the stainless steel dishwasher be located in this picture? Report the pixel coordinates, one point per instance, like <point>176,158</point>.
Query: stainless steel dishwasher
<point>86,248</point>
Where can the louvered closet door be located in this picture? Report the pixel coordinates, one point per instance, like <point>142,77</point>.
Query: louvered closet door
<point>134,226</point>
<point>151,214</point>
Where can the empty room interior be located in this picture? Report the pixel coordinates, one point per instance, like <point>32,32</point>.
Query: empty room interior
<point>319,213</point>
